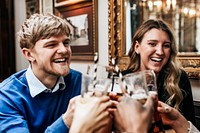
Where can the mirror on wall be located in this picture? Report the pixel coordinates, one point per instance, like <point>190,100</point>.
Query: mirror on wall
<point>184,16</point>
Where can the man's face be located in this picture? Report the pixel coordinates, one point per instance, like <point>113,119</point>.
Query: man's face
<point>51,57</point>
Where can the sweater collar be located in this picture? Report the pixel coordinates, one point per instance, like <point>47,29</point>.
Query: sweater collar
<point>36,87</point>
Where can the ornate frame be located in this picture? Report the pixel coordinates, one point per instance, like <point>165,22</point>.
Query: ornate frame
<point>189,61</point>
<point>32,6</point>
<point>116,34</point>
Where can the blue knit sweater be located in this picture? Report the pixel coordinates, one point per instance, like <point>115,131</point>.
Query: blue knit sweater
<point>21,113</point>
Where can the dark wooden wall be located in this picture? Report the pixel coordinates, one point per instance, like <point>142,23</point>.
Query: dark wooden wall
<point>7,39</point>
<point>197,113</point>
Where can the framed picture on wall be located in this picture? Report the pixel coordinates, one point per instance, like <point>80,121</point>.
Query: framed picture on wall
<point>82,19</point>
<point>32,6</point>
<point>46,6</point>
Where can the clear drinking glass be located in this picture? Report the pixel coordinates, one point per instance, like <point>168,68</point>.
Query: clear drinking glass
<point>136,86</point>
<point>157,125</point>
<point>115,91</point>
<point>94,87</point>
<point>151,83</point>
<point>139,86</point>
<point>98,71</point>
<point>104,77</point>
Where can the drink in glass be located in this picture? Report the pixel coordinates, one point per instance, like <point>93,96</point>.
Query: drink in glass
<point>115,91</point>
<point>140,85</point>
<point>136,86</point>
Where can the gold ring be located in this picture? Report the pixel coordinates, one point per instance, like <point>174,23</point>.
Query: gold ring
<point>166,109</point>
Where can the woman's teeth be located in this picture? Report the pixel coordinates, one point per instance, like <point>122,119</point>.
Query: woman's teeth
<point>156,59</point>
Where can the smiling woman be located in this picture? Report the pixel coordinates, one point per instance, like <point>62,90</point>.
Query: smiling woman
<point>126,15</point>
<point>154,48</point>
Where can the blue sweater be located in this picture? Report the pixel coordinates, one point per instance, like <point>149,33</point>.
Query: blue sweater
<point>21,113</point>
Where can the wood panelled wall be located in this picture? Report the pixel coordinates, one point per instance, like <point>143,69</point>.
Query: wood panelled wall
<point>7,39</point>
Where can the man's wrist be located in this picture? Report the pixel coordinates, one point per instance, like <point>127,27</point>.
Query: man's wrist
<point>80,127</point>
<point>65,121</point>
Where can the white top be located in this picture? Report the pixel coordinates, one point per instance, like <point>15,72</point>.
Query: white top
<point>36,87</point>
<point>192,128</point>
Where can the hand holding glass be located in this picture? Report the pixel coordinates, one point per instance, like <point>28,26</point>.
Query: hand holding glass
<point>139,86</point>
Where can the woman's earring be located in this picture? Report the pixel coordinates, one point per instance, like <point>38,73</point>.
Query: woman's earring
<point>137,52</point>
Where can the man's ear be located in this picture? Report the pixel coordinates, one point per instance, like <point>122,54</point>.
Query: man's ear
<point>137,47</point>
<point>28,55</point>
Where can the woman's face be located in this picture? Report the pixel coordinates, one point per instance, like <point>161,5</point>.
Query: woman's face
<point>154,50</point>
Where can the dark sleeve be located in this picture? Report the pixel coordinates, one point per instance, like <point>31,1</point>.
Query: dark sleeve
<point>128,71</point>
<point>187,105</point>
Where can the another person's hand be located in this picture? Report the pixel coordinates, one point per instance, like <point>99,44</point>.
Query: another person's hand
<point>172,117</point>
<point>68,115</point>
<point>132,116</point>
<point>91,115</point>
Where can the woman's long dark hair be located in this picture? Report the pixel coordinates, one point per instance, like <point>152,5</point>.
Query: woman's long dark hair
<point>171,67</point>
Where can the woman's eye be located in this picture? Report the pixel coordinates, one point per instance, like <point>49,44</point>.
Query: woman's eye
<point>166,45</point>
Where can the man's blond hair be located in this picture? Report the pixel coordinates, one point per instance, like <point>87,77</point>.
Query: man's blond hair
<point>40,26</point>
